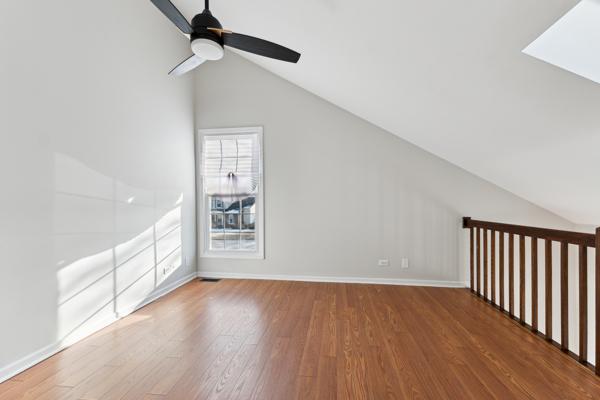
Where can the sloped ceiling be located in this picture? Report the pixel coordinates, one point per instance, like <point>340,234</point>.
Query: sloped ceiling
<point>449,77</point>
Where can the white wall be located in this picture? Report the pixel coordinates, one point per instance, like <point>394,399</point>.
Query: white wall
<point>342,193</point>
<point>96,165</point>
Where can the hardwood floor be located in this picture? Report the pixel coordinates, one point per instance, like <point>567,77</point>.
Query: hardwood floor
<point>239,339</point>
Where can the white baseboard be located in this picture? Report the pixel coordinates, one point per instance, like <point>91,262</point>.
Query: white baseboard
<point>30,360</point>
<point>332,279</point>
<point>157,294</point>
<point>26,362</point>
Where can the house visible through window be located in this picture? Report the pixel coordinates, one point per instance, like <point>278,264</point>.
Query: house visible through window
<point>232,189</point>
<point>239,233</point>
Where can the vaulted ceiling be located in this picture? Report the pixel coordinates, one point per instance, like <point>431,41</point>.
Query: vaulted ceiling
<point>449,77</point>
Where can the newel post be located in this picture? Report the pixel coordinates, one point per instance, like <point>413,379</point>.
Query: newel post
<point>466,221</point>
<point>597,288</point>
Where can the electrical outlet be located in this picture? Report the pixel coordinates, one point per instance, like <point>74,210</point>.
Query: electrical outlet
<point>168,269</point>
<point>383,263</point>
<point>404,264</point>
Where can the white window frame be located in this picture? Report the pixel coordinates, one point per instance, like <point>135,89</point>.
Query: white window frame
<point>204,204</point>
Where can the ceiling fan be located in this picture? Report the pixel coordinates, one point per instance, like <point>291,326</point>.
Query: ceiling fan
<point>208,39</point>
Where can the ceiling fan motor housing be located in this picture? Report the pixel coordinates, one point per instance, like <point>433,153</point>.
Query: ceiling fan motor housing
<point>206,44</point>
<point>205,20</point>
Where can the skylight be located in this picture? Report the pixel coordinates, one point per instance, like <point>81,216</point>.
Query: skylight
<point>573,43</point>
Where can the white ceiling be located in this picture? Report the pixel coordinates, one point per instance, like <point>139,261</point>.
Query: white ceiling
<point>449,77</point>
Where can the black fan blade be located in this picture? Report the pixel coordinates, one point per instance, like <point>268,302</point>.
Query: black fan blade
<point>171,12</point>
<point>260,47</point>
<point>187,65</point>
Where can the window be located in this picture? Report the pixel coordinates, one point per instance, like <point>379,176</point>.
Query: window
<point>231,194</point>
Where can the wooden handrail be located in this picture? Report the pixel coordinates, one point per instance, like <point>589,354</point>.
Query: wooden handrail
<point>578,238</point>
<point>482,260</point>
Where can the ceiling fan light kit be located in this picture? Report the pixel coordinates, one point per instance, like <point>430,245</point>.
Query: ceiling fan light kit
<point>207,49</point>
<point>208,39</point>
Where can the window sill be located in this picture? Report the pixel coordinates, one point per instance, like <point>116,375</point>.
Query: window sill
<point>234,255</point>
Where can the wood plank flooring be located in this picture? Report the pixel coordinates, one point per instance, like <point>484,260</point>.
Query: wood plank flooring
<point>238,339</point>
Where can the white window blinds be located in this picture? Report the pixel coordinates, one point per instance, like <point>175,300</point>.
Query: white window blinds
<point>231,165</point>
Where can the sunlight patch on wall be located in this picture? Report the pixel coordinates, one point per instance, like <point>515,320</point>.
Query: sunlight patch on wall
<point>114,245</point>
<point>85,289</point>
<point>573,43</point>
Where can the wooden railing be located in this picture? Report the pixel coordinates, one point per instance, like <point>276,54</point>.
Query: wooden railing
<point>483,269</point>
